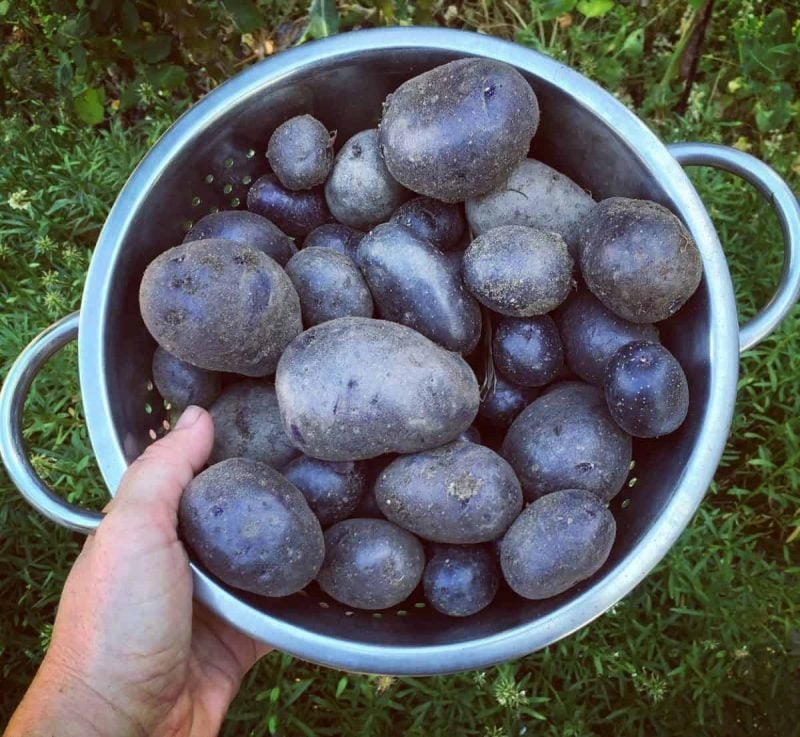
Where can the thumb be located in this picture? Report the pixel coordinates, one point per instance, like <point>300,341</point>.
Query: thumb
<point>156,480</point>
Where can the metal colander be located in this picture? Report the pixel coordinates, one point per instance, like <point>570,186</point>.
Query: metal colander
<point>206,162</point>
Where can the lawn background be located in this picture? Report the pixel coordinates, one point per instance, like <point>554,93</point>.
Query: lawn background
<point>709,643</point>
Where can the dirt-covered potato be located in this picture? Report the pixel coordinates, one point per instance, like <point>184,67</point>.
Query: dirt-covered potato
<point>296,213</point>
<point>413,284</point>
<point>518,271</point>
<point>221,306</point>
<point>591,334</point>
<point>332,489</point>
<point>247,424</point>
<point>527,350</point>
<point>441,223</point>
<point>251,528</point>
<point>182,384</point>
<point>458,493</point>
<point>460,580</point>
<point>329,285</point>
<point>457,131</point>
<point>646,390</point>
<point>357,388</point>
<point>534,195</point>
<point>341,238</point>
<point>246,228</point>
<point>638,259</point>
<point>566,439</point>
<point>300,152</point>
<point>558,541</point>
<point>370,563</point>
<point>360,191</point>
<point>504,401</point>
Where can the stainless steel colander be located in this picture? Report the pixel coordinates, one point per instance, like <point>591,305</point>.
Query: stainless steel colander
<point>206,162</point>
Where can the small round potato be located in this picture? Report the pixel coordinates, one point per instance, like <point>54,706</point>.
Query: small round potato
<point>413,284</point>
<point>329,286</point>
<point>638,259</point>
<point>246,228</point>
<point>566,439</point>
<point>356,388</point>
<point>501,405</point>
<point>591,334</point>
<point>247,424</point>
<point>527,350</point>
<point>360,191</point>
<point>460,580</point>
<point>441,223</point>
<point>534,195</point>
<point>558,541</point>
<point>251,528</point>
<point>332,489</point>
<point>518,271</point>
<point>341,238</point>
<point>182,384</point>
<point>300,152</point>
<point>370,563</point>
<point>458,493</point>
<point>296,213</point>
<point>457,131</point>
<point>220,306</point>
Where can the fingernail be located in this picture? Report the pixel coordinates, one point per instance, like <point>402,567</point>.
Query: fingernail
<point>190,415</point>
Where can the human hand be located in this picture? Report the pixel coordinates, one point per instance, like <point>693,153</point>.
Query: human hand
<point>131,653</point>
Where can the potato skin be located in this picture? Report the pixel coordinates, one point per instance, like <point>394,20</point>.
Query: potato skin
<point>591,334</point>
<point>461,580</point>
<point>518,271</point>
<point>440,223</point>
<point>341,238</point>
<point>332,489</point>
<point>501,405</point>
<point>221,306</point>
<point>457,131</point>
<point>247,424</point>
<point>638,259</point>
<point>251,528</point>
<point>534,195</point>
<point>370,563</point>
<point>566,439</point>
<point>459,493</point>
<point>356,388</point>
<point>300,152</point>
<point>558,541</point>
<point>329,286</point>
<point>413,284</point>
<point>296,213</point>
<point>246,228</point>
<point>527,350</point>
<point>182,384</point>
<point>360,192</point>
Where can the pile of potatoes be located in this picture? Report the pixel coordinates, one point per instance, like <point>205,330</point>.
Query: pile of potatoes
<point>439,388</point>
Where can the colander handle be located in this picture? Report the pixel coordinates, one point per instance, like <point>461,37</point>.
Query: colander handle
<point>12,445</point>
<point>783,201</point>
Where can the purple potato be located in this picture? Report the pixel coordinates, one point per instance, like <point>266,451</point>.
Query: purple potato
<point>182,384</point>
<point>295,213</point>
<point>440,223</point>
<point>332,489</point>
<point>527,350</point>
<point>461,580</point>
<point>501,405</point>
<point>300,152</point>
<point>341,238</point>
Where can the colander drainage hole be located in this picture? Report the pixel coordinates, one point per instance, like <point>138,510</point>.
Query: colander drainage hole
<point>187,225</point>
<point>419,605</point>
<point>401,613</point>
<point>196,201</point>
<point>150,386</point>
<point>148,409</point>
<point>325,605</point>
<point>213,210</point>
<point>625,503</point>
<point>377,615</point>
<point>349,613</point>
<point>228,188</point>
<point>228,163</point>
<point>235,202</point>
<point>247,179</point>
<point>251,153</point>
<point>209,178</point>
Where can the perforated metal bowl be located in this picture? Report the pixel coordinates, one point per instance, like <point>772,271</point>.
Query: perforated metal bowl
<point>206,161</point>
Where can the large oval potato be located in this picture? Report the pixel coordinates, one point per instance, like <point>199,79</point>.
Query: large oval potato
<point>413,284</point>
<point>221,306</point>
<point>251,528</point>
<point>638,259</point>
<point>458,493</point>
<point>534,195</point>
<point>370,563</point>
<point>247,424</point>
<point>360,192</point>
<point>566,439</point>
<point>356,388</point>
<point>457,131</point>
<point>182,384</point>
<point>558,541</point>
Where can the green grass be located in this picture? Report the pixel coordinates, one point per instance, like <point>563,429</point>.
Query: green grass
<point>708,644</point>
